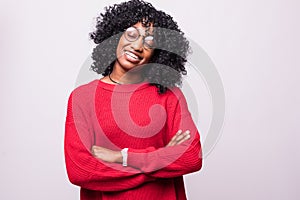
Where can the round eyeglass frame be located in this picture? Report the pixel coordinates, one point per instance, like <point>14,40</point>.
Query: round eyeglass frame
<point>138,35</point>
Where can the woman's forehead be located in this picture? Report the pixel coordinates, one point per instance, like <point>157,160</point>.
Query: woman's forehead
<point>144,29</point>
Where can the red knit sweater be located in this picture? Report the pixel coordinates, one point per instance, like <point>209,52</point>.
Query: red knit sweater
<point>137,117</point>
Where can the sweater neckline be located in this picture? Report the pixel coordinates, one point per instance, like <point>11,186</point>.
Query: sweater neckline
<point>123,87</point>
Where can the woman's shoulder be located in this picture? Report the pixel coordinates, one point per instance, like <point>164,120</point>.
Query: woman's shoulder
<point>86,88</point>
<point>174,93</point>
<point>84,92</point>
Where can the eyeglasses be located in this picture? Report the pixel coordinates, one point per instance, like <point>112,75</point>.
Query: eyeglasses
<point>132,34</point>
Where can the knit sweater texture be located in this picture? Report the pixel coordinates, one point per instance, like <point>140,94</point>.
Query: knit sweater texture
<point>130,116</point>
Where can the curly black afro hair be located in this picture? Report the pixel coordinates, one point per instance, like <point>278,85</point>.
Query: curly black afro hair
<point>166,65</point>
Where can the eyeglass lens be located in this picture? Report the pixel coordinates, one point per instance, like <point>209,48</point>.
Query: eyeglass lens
<point>132,34</point>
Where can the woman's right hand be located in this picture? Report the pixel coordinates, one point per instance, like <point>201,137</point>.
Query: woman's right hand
<point>179,138</point>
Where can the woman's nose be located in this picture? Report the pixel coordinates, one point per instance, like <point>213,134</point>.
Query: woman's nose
<point>138,44</point>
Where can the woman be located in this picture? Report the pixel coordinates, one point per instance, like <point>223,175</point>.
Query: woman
<point>130,135</point>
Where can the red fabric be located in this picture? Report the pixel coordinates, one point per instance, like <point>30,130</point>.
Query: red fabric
<point>137,117</point>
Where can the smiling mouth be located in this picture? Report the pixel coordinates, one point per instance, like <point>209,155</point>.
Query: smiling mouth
<point>132,56</point>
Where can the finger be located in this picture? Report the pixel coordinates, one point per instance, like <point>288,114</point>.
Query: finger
<point>178,132</point>
<point>96,147</point>
<point>181,136</point>
<point>173,140</point>
<point>185,138</point>
<point>179,139</point>
<point>93,149</point>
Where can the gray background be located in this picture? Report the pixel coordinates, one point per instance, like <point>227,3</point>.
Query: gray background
<point>253,44</point>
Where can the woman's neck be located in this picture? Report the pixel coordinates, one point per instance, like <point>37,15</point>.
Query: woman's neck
<point>122,77</point>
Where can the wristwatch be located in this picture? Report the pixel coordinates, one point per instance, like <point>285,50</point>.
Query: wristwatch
<point>124,155</point>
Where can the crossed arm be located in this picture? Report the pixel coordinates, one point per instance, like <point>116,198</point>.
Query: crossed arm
<point>111,156</point>
<point>99,168</point>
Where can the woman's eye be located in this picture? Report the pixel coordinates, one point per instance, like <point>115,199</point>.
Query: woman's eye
<point>131,33</point>
<point>149,41</point>
<point>149,38</point>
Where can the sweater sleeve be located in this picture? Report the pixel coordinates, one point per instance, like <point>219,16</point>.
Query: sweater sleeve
<point>167,162</point>
<point>87,171</point>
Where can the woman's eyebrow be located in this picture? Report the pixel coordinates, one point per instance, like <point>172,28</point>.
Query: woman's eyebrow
<point>146,31</point>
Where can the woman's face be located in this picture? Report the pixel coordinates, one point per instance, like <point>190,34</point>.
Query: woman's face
<point>134,48</point>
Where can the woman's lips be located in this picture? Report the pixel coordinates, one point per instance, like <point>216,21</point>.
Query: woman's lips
<point>131,57</point>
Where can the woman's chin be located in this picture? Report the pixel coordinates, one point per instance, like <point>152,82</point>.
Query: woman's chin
<point>128,65</point>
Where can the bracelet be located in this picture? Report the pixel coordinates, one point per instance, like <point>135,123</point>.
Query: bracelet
<point>124,155</point>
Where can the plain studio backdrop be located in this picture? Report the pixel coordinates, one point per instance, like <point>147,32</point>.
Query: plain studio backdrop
<point>254,46</point>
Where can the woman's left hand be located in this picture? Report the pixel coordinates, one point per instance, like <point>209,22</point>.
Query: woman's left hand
<point>107,154</point>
